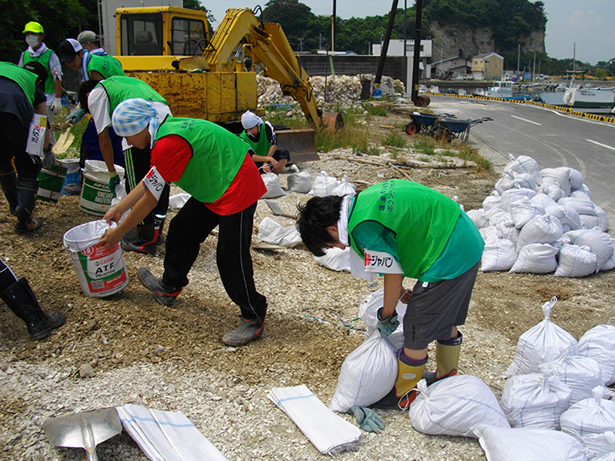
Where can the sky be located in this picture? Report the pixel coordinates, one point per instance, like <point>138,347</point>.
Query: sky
<point>583,28</point>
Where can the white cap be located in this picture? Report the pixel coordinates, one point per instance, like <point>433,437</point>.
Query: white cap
<point>250,120</point>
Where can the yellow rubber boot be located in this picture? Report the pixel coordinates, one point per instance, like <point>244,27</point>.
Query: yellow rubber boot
<point>447,357</point>
<point>402,395</point>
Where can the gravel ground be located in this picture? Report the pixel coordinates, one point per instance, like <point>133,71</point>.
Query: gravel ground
<point>127,349</point>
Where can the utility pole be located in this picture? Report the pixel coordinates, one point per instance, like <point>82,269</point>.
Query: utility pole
<point>320,41</point>
<point>333,27</point>
<point>518,59</point>
<point>574,58</point>
<point>534,68</point>
<point>300,45</point>
<point>417,57</point>
<point>405,51</point>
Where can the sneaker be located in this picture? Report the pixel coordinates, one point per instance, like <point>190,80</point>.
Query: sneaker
<point>245,332</point>
<point>164,294</point>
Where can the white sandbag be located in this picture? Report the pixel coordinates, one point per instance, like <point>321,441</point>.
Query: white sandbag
<point>461,405</point>
<point>603,219</point>
<point>535,258</point>
<point>478,217</point>
<point>299,181</point>
<point>580,374</point>
<point>504,183</point>
<point>493,200</point>
<point>543,200</point>
<point>530,444</point>
<point>599,242</point>
<point>178,200</point>
<point>525,180</point>
<point>276,234</point>
<point>523,211</point>
<point>514,195</point>
<point>610,263</point>
<point>367,375</point>
<point>598,343</point>
<point>344,188</point>
<point>336,259</point>
<point>521,165</point>
<point>368,309</point>
<point>489,233</point>
<point>272,182</point>
<point>580,194</point>
<point>498,255</point>
<point>594,415</point>
<point>323,185</point>
<point>496,216</point>
<point>561,175</point>
<point>542,343</point>
<point>541,229</point>
<point>600,446</point>
<point>576,179</point>
<point>551,188</point>
<point>508,231</point>
<point>567,215</point>
<point>606,457</point>
<point>583,207</point>
<point>535,400</point>
<point>576,261</point>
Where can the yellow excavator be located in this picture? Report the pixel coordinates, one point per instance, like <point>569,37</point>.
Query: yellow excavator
<point>214,77</point>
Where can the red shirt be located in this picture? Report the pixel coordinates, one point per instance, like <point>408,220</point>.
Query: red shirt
<point>172,153</point>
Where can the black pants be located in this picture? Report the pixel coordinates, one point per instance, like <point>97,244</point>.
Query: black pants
<point>13,139</point>
<point>190,228</point>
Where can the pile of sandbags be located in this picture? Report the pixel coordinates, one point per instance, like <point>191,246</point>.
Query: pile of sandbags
<point>542,222</point>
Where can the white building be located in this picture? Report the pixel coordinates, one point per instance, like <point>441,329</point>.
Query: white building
<point>396,48</point>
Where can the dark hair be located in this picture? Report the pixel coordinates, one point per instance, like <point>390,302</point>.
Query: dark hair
<point>314,218</point>
<point>84,89</point>
<point>40,71</point>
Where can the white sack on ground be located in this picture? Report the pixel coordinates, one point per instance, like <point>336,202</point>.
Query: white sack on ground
<point>581,206</point>
<point>535,400</point>
<point>497,215</point>
<point>491,233</point>
<point>580,374</point>
<point>542,343</point>
<point>323,185</point>
<point>515,194</point>
<point>524,210</point>
<point>498,255</point>
<point>367,375</point>
<point>551,188</point>
<point>606,457</point>
<point>461,405</point>
<point>479,218</point>
<point>599,242</point>
<point>535,258</point>
<point>576,179</point>
<point>581,194</point>
<point>276,234</point>
<point>530,445</point>
<point>368,309</point>
<point>299,181</point>
<point>344,188</point>
<point>576,261</point>
<point>541,229</point>
<point>336,259</point>
<point>567,215</point>
<point>272,182</point>
<point>543,200</point>
<point>492,201</point>
<point>602,218</point>
<point>523,164</point>
<point>561,175</point>
<point>610,263</point>
<point>598,343</point>
<point>508,231</point>
<point>589,416</point>
<point>598,445</point>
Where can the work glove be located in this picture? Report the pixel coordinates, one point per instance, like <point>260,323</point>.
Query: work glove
<point>75,116</point>
<point>114,180</point>
<point>56,107</point>
<point>388,325</point>
<point>49,158</point>
<point>367,419</point>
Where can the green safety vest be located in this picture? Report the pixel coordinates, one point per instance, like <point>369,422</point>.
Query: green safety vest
<point>217,155</point>
<point>421,219</point>
<point>120,89</point>
<point>24,78</point>
<point>106,65</point>
<point>43,59</point>
<point>262,146</point>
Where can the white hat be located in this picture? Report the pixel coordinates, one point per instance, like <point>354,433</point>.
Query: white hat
<point>250,120</point>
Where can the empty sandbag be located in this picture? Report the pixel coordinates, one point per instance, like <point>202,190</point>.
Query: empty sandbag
<point>598,343</point>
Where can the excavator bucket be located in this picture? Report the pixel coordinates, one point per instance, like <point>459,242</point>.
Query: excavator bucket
<point>300,144</point>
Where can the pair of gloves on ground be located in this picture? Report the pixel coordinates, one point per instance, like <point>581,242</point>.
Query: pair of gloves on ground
<point>367,418</point>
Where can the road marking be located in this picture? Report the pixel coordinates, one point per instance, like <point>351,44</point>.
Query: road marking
<point>600,144</point>
<point>526,120</point>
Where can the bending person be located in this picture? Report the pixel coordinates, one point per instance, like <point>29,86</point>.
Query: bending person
<point>261,137</point>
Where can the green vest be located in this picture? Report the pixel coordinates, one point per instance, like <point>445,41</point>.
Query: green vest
<point>421,219</point>
<point>217,155</point>
<point>262,146</point>
<point>105,65</point>
<point>24,78</point>
<point>120,89</point>
<point>43,59</point>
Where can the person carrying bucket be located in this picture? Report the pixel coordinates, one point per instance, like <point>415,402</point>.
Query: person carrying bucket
<point>215,167</point>
<point>21,96</point>
<point>100,98</point>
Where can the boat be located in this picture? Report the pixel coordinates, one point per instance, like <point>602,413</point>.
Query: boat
<point>590,99</point>
<point>504,90</point>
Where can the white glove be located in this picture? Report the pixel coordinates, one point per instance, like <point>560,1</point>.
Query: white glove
<point>56,107</point>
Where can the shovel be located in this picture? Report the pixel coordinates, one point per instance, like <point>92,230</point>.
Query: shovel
<point>83,430</point>
<point>277,210</point>
<point>63,142</point>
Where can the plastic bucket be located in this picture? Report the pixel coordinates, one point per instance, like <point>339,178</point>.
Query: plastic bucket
<point>95,194</point>
<point>73,173</point>
<point>100,272</point>
<point>50,182</point>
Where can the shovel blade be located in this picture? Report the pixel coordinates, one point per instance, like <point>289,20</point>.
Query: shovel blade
<point>275,208</point>
<point>83,430</point>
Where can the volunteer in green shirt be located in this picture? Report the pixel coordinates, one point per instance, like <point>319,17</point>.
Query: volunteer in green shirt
<point>403,229</point>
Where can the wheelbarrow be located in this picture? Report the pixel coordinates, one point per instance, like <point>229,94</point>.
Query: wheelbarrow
<point>424,123</point>
<point>449,129</point>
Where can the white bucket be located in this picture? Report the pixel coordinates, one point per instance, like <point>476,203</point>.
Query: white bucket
<point>95,194</point>
<point>100,272</point>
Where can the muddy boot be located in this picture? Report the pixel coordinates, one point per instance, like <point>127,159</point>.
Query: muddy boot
<point>21,300</point>
<point>26,199</point>
<point>247,331</point>
<point>164,293</point>
<point>409,373</point>
<point>8,181</point>
<point>144,238</point>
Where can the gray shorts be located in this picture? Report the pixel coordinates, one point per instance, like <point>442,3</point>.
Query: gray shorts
<point>435,308</point>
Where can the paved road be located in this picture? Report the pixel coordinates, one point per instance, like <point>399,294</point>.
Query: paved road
<point>553,139</point>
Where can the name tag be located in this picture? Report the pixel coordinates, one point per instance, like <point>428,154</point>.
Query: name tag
<point>154,182</point>
<point>381,262</point>
<point>36,135</point>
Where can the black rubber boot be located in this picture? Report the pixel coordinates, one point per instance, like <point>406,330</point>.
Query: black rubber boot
<point>144,238</point>
<point>26,199</point>
<point>21,300</point>
<point>164,293</point>
<point>8,181</point>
